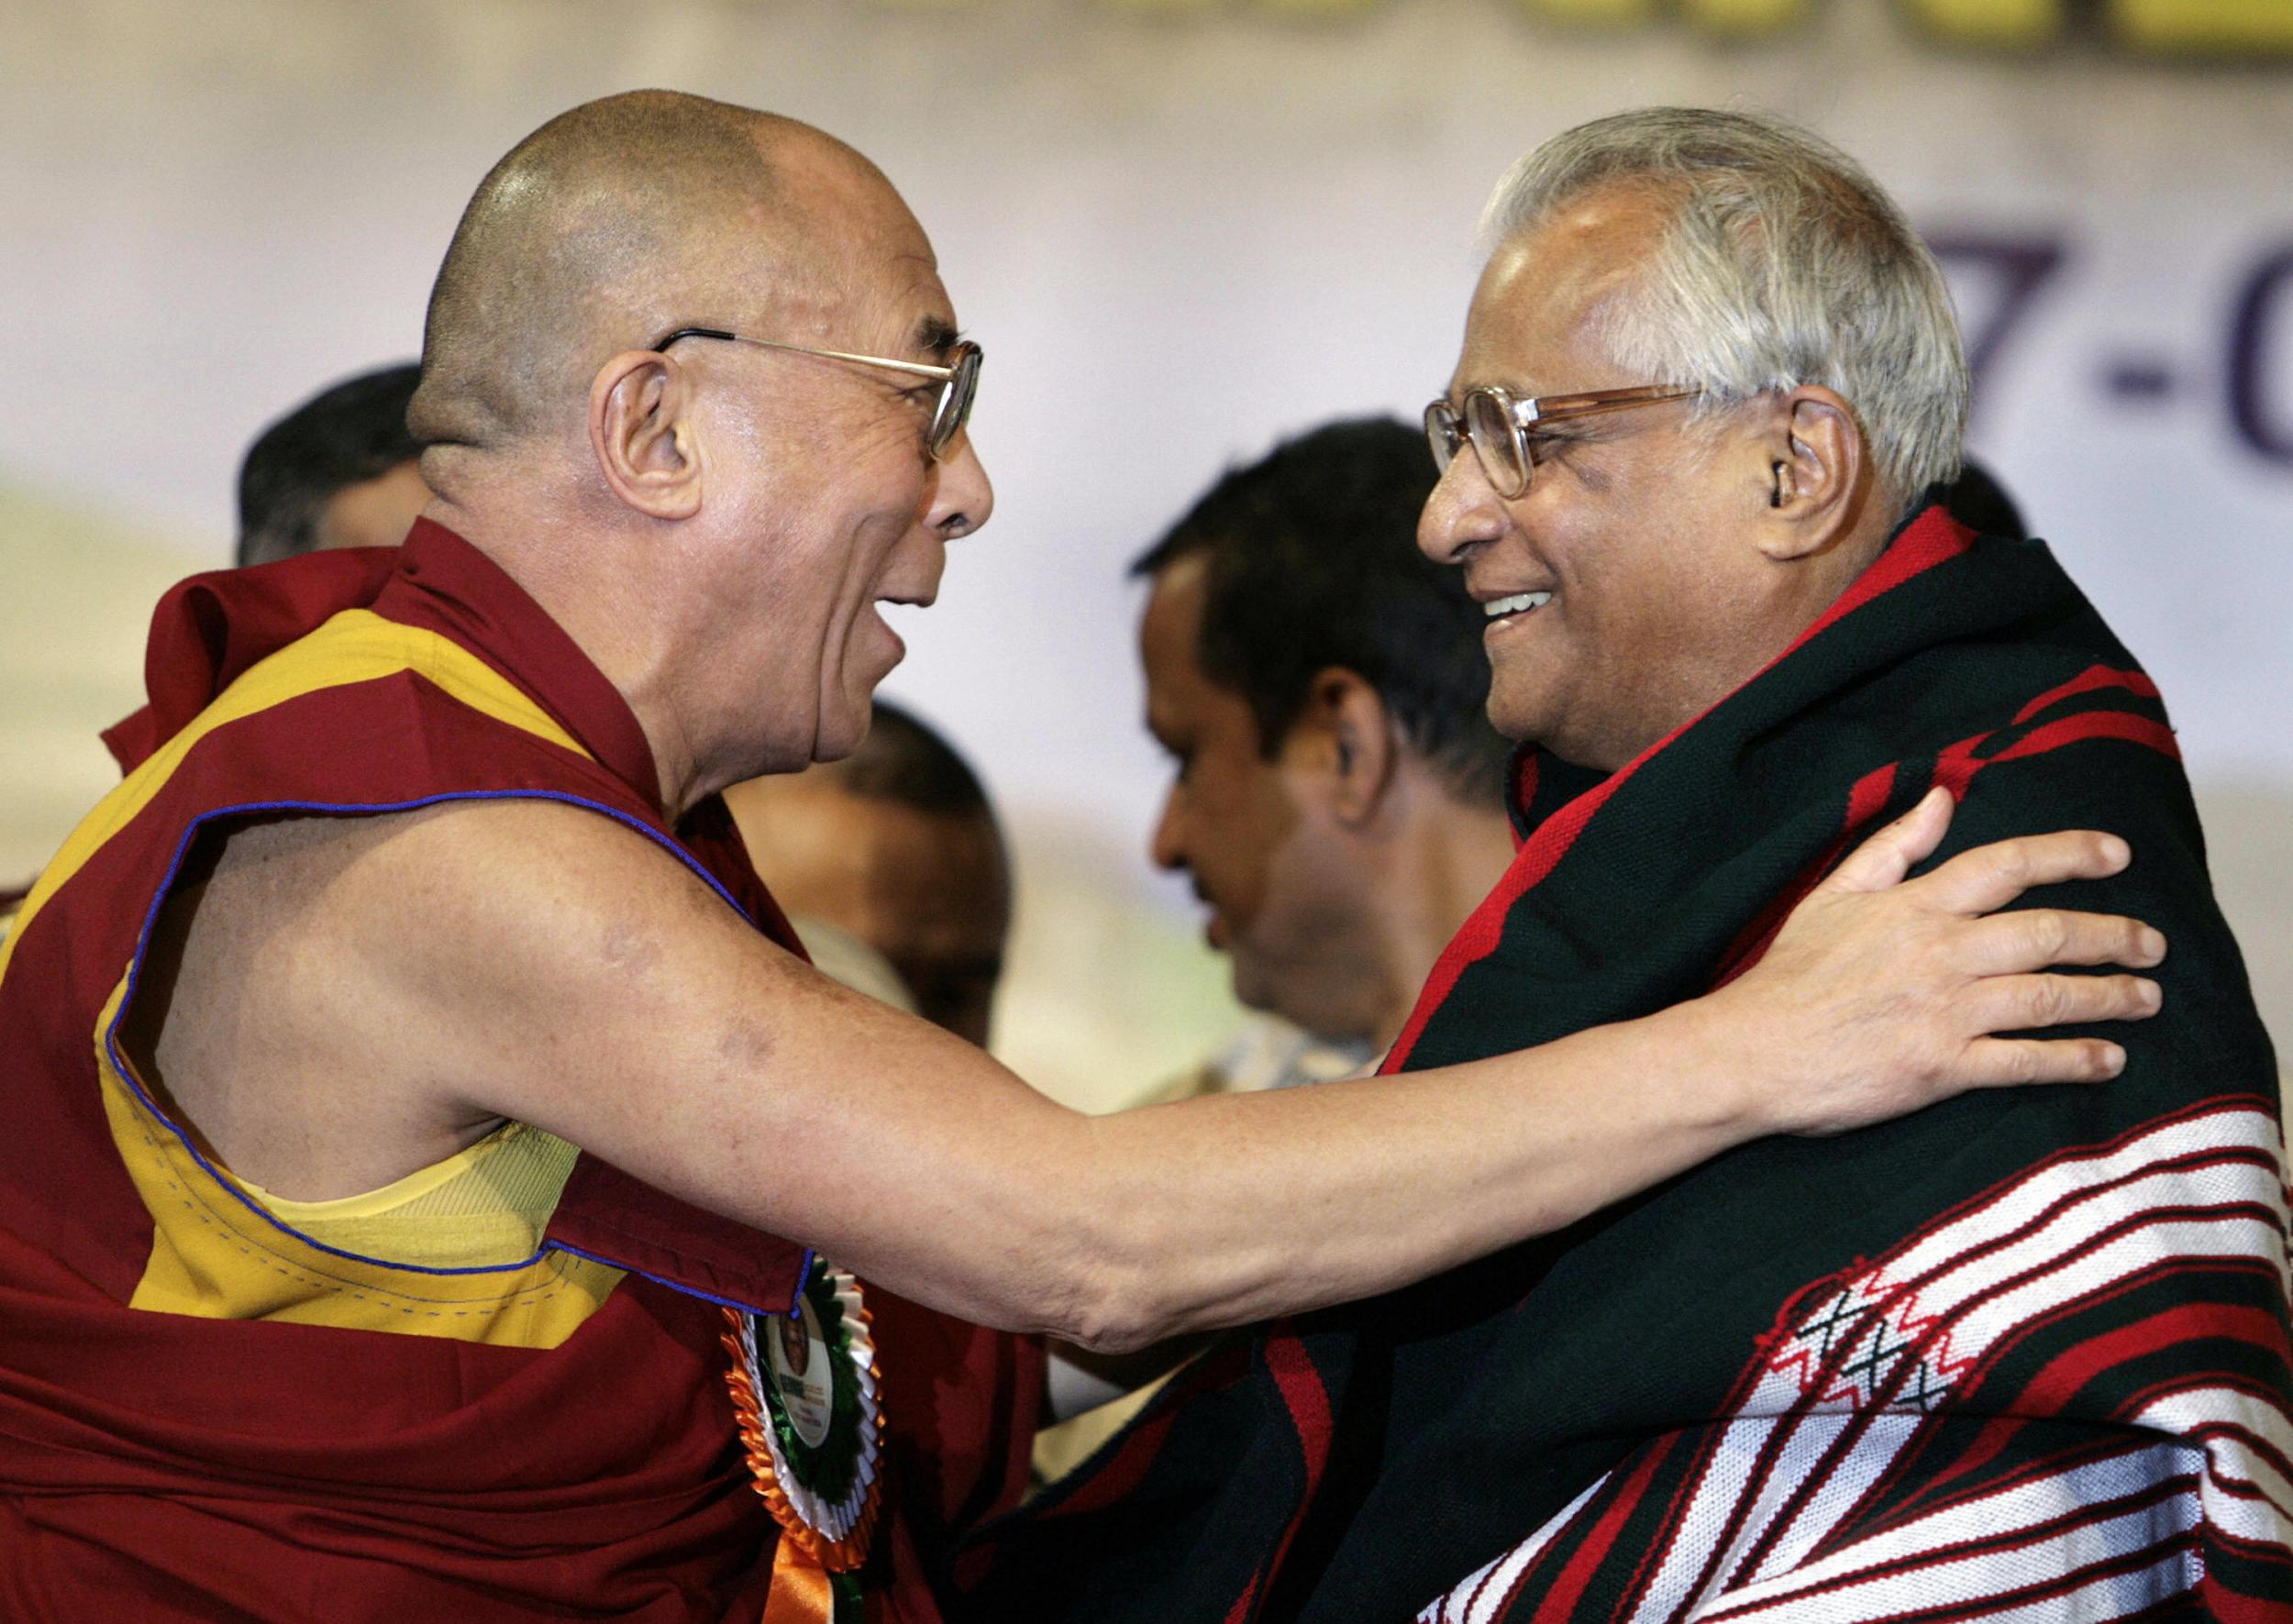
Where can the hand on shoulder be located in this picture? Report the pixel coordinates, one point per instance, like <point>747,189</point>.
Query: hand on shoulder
<point>1880,994</point>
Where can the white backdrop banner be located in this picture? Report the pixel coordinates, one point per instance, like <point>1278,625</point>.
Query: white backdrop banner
<point>1182,229</point>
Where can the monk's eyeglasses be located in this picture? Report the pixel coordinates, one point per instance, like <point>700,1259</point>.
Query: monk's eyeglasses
<point>959,383</point>
<point>1499,425</point>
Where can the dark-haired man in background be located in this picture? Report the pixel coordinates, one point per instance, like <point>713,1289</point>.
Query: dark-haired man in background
<point>341,469</point>
<point>1319,687</point>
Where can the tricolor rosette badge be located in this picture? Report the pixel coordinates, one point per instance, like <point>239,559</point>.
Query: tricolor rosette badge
<point>804,1388</point>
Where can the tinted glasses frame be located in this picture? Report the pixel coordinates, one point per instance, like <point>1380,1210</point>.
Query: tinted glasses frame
<point>1498,423</point>
<point>959,383</point>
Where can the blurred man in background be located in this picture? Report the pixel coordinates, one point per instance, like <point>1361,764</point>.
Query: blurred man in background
<point>895,848</point>
<point>1319,687</point>
<point>1335,794</point>
<point>2021,1356</point>
<point>339,471</point>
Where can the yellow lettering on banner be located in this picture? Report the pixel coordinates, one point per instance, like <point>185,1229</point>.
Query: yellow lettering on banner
<point>1606,14</point>
<point>1991,22</point>
<point>2230,26</point>
<point>1743,18</point>
<point>2255,29</point>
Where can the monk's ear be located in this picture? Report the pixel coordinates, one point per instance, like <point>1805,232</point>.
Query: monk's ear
<point>1818,469</point>
<point>640,432</point>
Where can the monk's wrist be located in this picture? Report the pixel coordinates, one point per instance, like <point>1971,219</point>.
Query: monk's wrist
<point>1712,1082</point>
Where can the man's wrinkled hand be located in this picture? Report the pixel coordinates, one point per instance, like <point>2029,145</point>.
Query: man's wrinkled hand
<point>1882,994</point>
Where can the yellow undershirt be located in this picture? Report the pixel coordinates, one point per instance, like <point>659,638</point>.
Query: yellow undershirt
<point>484,1205</point>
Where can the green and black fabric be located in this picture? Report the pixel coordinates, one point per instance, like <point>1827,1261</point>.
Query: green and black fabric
<point>2025,1354</point>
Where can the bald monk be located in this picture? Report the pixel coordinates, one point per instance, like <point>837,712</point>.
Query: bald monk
<point>421,1124</point>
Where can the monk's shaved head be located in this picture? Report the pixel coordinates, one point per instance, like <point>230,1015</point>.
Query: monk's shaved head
<point>605,228</point>
<point>713,525</point>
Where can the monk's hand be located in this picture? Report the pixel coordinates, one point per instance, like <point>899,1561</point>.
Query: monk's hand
<point>1881,994</point>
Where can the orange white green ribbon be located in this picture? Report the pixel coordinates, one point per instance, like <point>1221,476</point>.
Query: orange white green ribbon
<point>805,1392</point>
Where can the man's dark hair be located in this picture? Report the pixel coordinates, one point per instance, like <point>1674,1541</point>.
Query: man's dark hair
<point>904,759</point>
<point>1313,563</point>
<point>344,436</point>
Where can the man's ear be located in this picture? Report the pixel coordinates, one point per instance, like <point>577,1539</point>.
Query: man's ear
<point>1344,725</point>
<point>638,430</point>
<point>1819,471</point>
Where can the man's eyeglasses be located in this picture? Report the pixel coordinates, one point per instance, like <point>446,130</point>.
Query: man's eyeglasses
<point>1499,424</point>
<point>957,383</point>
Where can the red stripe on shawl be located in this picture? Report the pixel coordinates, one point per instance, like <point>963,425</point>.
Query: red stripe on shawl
<point>2229,1608</point>
<point>1241,1609</point>
<point>1933,537</point>
<point>1308,1402</point>
<point>1569,1586</point>
<point>1478,938</point>
<point>1871,792</point>
<point>2060,1380</point>
<point>2094,724</point>
<point>2093,680</point>
<point>1958,766</point>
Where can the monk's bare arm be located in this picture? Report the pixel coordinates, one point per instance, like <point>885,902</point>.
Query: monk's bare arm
<point>574,976</point>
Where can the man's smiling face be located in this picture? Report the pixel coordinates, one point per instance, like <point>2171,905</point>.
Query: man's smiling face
<point>1628,544</point>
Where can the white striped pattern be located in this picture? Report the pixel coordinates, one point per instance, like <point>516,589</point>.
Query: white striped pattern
<point>1901,1334</point>
<point>1483,1594</point>
<point>1935,1572</point>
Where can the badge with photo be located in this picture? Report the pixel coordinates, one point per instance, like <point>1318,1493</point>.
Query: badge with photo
<point>804,1388</point>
